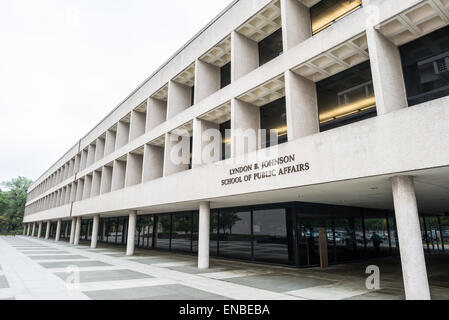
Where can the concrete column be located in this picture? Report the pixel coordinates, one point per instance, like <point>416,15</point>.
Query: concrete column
<point>76,241</point>
<point>109,146</point>
<point>179,98</point>
<point>207,80</point>
<point>94,240</point>
<point>79,190</point>
<point>301,106</point>
<point>245,125</point>
<point>96,184</point>
<point>122,137</point>
<point>244,55</point>
<point>106,180</point>
<point>91,155</point>
<point>87,187</point>
<point>99,150</point>
<point>134,169</point>
<point>39,232</point>
<point>153,163</point>
<point>177,154</point>
<point>47,232</point>
<point>296,24</point>
<point>204,236</point>
<point>28,229</point>
<point>206,138</point>
<point>24,229</point>
<point>137,126</point>
<point>34,229</point>
<point>72,231</point>
<point>386,69</point>
<point>83,161</point>
<point>156,113</point>
<point>413,262</point>
<point>131,233</point>
<point>118,175</point>
<point>58,230</point>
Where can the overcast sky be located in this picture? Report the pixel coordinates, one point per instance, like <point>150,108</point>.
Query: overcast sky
<point>65,64</point>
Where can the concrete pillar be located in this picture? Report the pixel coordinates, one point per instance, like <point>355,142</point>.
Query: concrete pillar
<point>99,150</point>
<point>58,230</point>
<point>122,137</point>
<point>244,55</point>
<point>76,241</point>
<point>177,154</point>
<point>24,229</point>
<point>179,98</point>
<point>413,262</point>
<point>79,190</point>
<point>134,169</point>
<point>296,24</point>
<point>109,146</point>
<point>33,229</point>
<point>204,236</point>
<point>91,155</point>
<point>47,232</point>
<point>386,69</point>
<point>96,184</point>
<point>137,125</point>
<point>301,106</point>
<point>156,113</point>
<point>94,240</point>
<point>72,231</point>
<point>87,187</point>
<point>118,175</point>
<point>207,80</point>
<point>39,232</point>
<point>131,233</point>
<point>28,229</point>
<point>83,161</point>
<point>153,163</point>
<point>106,180</point>
<point>206,138</point>
<point>245,125</point>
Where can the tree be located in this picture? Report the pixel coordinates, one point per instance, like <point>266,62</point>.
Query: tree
<point>12,203</point>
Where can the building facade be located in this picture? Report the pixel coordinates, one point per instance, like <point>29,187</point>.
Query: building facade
<point>281,126</point>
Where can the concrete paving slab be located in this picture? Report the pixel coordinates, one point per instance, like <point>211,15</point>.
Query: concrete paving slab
<point>95,276</point>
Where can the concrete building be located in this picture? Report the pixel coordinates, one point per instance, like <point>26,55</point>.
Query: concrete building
<point>333,126</point>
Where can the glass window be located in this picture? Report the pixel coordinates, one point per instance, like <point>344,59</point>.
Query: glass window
<point>196,218</point>
<point>163,232</point>
<point>310,220</point>
<point>346,97</point>
<point>444,224</point>
<point>214,216</point>
<point>273,116</point>
<point>425,63</point>
<point>349,236</point>
<point>181,235</point>
<point>145,232</point>
<point>225,127</point>
<point>270,47</point>
<point>191,152</point>
<point>225,75</point>
<point>235,234</point>
<point>271,242</point>
<point>327,12</point>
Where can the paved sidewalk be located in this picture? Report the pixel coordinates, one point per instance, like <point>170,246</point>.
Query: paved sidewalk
<point>33,268</point>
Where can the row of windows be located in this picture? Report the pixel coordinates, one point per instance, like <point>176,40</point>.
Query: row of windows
<point>285,234</point>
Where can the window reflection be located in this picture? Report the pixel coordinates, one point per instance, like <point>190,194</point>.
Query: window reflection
<point>327,12</point>
<point>181,235</point>
<point>425,63</point>
<point>225,131</point>
<point>235,234</point>
<point>163,232</point>
<point>271,243</point>
<point>270,47</point>
<point>346,97</point>
<point>273,116</point>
